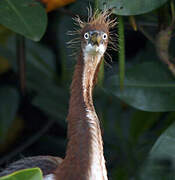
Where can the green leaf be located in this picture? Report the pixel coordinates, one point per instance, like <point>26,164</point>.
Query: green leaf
<point>52,100</point>
<point>142,121</point>
<point>160,164</point>
<point>132,7</point>
<point>8,108</point>
<point>26,174</point>
<point>40,59</point>
<point>148,87</point>
<point>165,145</point>
<point>40,63</point>
<point>121,53</point>
<point>24,17</point>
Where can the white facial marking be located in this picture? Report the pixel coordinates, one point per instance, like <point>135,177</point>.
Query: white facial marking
<point>49,177</point>
<point>94,50</point>
<point>102,48</point>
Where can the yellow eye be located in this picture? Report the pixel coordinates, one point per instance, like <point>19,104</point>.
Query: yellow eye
<point>86,36</point>
<point>105,36</point>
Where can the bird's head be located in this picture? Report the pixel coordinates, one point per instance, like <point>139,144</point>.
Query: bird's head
<point>94,35</point>
<point>94,39</point>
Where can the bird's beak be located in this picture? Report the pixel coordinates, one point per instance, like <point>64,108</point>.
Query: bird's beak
<point>96,39</point>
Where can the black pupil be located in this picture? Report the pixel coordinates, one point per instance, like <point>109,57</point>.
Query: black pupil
<point>104,36</point>
<point>86,35</point>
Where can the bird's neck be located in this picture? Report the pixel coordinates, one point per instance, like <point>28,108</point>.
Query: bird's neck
<point>84,157</point>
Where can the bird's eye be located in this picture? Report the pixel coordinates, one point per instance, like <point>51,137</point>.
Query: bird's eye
<point>105,36</point>
<point>86,36</point>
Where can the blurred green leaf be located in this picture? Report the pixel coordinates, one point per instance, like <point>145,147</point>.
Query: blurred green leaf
<point>40,67</point>
<point>120,173</point>
<point>142,121</point>
<point>25,17</point>
<point>26,174</point>
<point>157,170</point>
<point>148,87</point>
<point>40,63</point>
<point>42,58</point>
<point>160,164</point>
<point>165,145</point>
<point>134,7</point>
<point>5,33</point>
<point>8,107</point>
<point>8,54</point>
<point>53,100</point>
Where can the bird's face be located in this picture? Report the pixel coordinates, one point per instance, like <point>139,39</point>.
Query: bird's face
<point>94,42</point>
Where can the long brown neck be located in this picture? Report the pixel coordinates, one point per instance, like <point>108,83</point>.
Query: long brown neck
<point>84,157</point>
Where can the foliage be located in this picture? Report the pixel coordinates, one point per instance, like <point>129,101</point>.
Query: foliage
<point>138,119</point>
<point>25,17</point>
<point>153,91</point>
<point>134,7</point>
<point>32,174</point>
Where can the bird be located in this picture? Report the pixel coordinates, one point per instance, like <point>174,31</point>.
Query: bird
<point>84,159</point>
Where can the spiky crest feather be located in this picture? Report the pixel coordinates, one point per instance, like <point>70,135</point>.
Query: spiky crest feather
<point>93,19</point>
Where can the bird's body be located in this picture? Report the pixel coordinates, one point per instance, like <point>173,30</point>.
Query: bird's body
<point>84,158</point>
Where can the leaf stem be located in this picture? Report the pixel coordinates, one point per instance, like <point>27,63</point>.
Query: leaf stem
<point>172,10</point>
<point>133,22</point>
<point>121,54</point>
